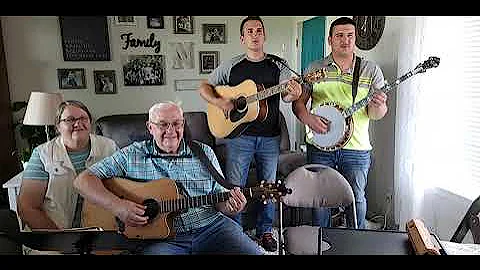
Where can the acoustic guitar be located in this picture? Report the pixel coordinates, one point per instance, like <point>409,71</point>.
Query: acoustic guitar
<point>163,202</point>
<point>249,101</point>
<point>341,122</point>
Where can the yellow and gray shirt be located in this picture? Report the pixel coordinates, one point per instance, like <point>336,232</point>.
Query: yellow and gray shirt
<point>337,87</point>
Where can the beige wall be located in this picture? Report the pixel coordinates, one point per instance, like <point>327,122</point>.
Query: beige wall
<point>33,52</point>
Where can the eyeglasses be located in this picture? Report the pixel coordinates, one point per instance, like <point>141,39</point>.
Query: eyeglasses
<point>72,120</point>
<point>165,125</point>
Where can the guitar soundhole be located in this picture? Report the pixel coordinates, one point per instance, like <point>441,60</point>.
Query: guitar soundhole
<point>240,109</point>
<point>152,209</point>
<point>240,104</point>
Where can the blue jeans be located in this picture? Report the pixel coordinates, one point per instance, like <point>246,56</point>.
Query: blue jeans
<point>239,154</point>
<point>354,166</point>
<point>223,236</point>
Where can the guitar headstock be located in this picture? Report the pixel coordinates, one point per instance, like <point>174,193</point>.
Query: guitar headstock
<point>270,191</point>
<point>316,76</point>
<point>431,62</point>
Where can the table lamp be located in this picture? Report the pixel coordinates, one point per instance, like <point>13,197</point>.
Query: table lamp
<point>41,109</point>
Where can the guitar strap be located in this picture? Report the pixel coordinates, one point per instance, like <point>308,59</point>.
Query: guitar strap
<point>356,75</point>
<point>198,151</point>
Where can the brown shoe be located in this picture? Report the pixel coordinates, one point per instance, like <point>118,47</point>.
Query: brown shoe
<point>268,242</point>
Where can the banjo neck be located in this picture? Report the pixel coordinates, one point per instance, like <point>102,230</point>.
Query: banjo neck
<point>386,88</point>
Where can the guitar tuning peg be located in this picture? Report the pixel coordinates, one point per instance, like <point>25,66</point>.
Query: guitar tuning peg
<point>264,201</point>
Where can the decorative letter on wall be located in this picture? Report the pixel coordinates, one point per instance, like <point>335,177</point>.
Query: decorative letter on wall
<point>181,55</point>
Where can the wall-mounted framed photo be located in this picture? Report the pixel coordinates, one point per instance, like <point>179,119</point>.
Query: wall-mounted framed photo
<point>139,70</point>
<point>125,20</point>
<point>155,22</point>
<point>71,78</point>
<point>208,61</point>
<point>183,24</point>
<point>105,82</point>
<point>214,34</point>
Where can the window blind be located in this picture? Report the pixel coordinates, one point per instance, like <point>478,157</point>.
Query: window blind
<point>452,99</point>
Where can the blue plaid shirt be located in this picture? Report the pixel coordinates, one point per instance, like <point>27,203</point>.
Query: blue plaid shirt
<point>143,162</point>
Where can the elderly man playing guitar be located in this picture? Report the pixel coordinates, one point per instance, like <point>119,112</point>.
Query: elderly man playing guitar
<point>142,205</point>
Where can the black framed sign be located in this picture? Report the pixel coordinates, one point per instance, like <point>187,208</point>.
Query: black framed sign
<point>85,38</point>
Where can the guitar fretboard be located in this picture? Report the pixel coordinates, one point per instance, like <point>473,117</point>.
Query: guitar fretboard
<point>192,202</point>
<point>267,93</point>
<point>386,88</point>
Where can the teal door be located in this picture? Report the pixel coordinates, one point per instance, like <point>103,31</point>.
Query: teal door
<point>313,40</point>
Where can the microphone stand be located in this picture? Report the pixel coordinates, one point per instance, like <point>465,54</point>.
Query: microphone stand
<point>281,241</point>
<point>302,81</point>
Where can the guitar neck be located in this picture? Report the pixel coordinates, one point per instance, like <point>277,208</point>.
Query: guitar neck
<point>386,88</point>
<point>197,201</point>
<point>267,93</point>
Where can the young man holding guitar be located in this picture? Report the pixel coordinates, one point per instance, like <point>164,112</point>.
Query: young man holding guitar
<point>251,124</point>
<point>202,228</point>
<point>350,156</point>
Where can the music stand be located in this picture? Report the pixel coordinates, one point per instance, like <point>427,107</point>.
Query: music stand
<point>74,242</point>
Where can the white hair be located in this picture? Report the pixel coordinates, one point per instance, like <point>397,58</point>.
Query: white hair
<point>153,111</point>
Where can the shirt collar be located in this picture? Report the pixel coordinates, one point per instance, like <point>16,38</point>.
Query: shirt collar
<point>184,150</point>
<point>330,62</point>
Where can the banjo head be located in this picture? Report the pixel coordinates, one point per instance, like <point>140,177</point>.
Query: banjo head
<point>335,136</point>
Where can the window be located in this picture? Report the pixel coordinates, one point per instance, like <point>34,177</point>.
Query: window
<point>449,122</point>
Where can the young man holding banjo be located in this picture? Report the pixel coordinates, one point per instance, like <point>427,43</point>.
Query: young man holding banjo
<point>335,138</point>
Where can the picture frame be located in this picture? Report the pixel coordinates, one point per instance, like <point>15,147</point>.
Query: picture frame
<point>214,33</point>
<point>187,84</point>
<point>144,70</point>
<point>181,55</point>
<point>105,81</point>
<point>155,22</point>
<point>208,61</point>
<point>71,78</point>
<point>84,38</point>
<point>125,20</point>
<point>183,24</point>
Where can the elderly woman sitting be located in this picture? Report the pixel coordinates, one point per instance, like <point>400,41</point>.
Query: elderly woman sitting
<point>47,198</point>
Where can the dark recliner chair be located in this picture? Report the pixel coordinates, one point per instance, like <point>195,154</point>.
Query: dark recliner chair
<point>127,128</point>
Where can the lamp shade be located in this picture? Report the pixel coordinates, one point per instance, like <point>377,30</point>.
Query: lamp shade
<point>41,108</point>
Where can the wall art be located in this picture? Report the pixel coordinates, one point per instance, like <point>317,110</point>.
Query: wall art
<point>84,38</point>
<point>105,81</point>
<point>141,70</point>
<point>71,78</point>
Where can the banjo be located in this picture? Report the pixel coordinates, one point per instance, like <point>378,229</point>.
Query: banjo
<point>341,122</point>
